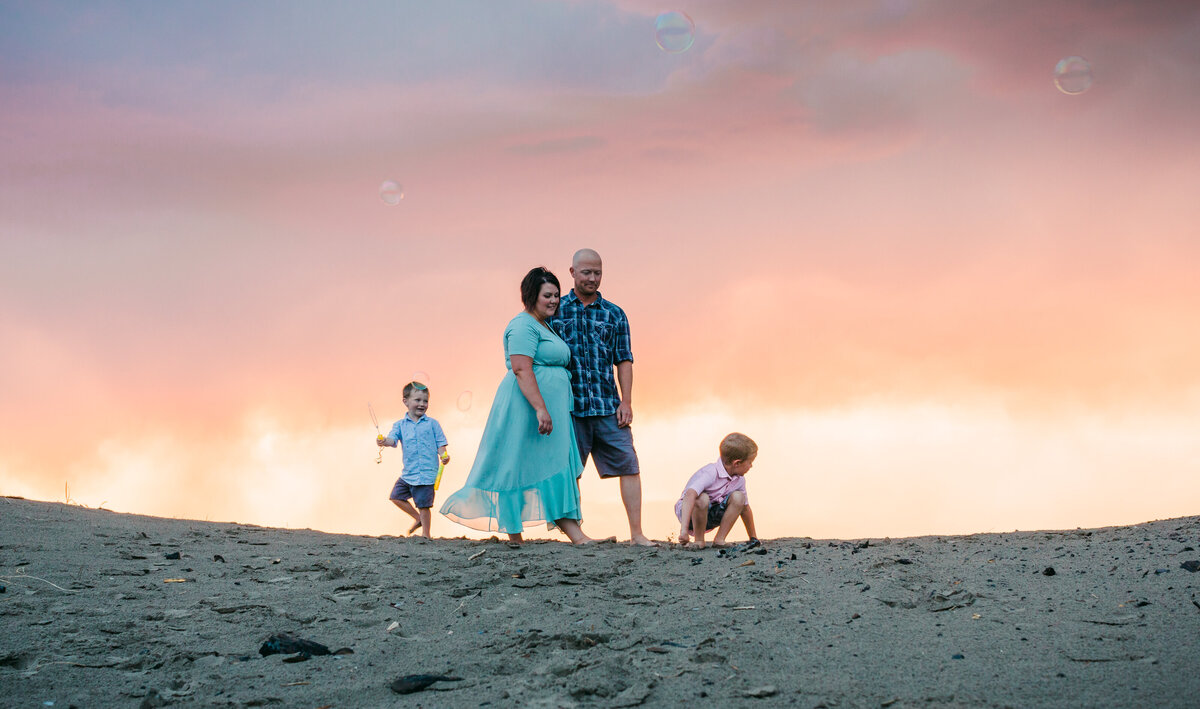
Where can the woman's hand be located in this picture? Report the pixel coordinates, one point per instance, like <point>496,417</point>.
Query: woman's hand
<point>545,423</point>
<point>522,367</point>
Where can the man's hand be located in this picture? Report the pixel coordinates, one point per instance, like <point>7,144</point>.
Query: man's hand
<point>624,414</point>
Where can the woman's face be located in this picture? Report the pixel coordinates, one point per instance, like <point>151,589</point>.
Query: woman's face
<point>547,301</point>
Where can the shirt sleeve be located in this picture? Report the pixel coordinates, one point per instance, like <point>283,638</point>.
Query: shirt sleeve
<point>520,338</point>
<point>393,436</point>
<point>622,347</point>
<point>701,479</point>
<point>439,436</point>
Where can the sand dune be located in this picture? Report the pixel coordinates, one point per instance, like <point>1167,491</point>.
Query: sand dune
<point>106,609</point>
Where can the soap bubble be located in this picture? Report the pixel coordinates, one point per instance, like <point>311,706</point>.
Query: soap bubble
<point>391,192</point>
<point>464,401</point>
<point>674,31</point>
<point>1073,75</point>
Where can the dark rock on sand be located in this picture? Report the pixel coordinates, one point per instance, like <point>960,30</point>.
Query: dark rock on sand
<point>282,643</point>
<point>415,683</point>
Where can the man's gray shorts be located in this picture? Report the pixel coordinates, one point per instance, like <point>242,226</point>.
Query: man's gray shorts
<point>610,446</point>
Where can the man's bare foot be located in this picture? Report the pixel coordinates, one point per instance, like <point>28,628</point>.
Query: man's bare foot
<point>415,527</point>
<point>641,540</point>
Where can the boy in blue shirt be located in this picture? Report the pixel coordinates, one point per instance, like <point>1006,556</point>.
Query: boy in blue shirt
<point>423,443</point>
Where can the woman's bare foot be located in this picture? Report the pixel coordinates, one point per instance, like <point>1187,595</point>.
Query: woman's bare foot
<point>641,540</point>
<point>516,539</point>
<point>570,527</point>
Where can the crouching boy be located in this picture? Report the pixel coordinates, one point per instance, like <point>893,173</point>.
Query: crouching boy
<point>715,495</point>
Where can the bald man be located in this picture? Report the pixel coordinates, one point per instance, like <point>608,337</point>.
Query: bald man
<point>597,332</point>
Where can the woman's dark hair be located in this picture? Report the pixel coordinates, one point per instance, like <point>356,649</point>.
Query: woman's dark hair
<point>531,285</point>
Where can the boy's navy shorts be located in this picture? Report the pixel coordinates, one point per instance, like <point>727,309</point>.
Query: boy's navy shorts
<point>421,495</point>
<point>610,446</point>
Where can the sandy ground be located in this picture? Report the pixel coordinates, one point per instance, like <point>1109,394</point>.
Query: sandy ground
<point>93,613</point>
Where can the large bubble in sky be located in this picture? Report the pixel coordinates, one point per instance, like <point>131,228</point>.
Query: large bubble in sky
<point>391,192</point>
<point>674,31</point>
<point>1073,75</point>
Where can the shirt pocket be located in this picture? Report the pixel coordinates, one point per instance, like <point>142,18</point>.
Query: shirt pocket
<point>603,332</point>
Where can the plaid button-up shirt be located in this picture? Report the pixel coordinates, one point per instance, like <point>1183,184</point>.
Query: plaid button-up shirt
<point>598,335</point>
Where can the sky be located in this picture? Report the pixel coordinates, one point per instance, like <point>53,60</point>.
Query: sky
<point>943,295</point>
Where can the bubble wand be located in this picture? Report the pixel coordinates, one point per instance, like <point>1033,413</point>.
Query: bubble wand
<point>379,437</point>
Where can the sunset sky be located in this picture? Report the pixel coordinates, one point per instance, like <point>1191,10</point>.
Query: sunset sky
<point>943,295</point>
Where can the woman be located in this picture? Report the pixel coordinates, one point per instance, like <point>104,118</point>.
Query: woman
<point>528,466</point>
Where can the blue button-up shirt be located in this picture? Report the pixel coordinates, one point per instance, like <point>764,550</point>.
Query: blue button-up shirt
<point>420,441</point>
<point>598,335</point>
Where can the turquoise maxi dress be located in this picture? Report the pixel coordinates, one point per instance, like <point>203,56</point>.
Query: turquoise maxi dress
<point>520,475</point>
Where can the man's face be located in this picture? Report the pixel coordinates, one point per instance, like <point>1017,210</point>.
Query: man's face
<point>586,273</point>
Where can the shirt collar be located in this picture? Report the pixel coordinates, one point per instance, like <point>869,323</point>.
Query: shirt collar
<point>721,472</point>
<point>410,418</point>
<point>595,303</point>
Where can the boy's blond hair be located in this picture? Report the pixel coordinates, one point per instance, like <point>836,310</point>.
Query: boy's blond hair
<point>737,446</point>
